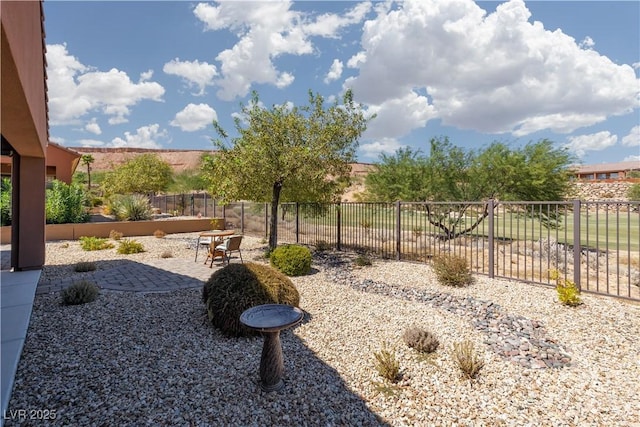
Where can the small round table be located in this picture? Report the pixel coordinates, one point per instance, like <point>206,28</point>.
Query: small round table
<point>270,319</point>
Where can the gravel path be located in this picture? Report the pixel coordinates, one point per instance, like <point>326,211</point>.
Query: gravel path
<point>152,359</point>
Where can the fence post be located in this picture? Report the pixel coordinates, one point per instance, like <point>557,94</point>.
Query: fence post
<point>266,220</point>
<point>491,238</point>
<point>398,231</point>
<point>241,217</point>
<point>577,250</point>
<point>339,225</point>
<point>213,215</point>
<point>297,222</point>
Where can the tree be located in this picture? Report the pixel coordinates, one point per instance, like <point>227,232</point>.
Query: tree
<point>87,159</point>
<point>146,173</point>
<point>286,154</point>
<point>536,172</point>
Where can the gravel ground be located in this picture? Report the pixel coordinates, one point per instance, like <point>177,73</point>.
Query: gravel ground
<point>152,359</point>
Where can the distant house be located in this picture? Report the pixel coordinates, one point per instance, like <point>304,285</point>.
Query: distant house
<point>606,171</point>
<point>60,163</point>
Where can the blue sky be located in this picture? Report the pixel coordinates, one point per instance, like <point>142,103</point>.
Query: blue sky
<point>154,74</point>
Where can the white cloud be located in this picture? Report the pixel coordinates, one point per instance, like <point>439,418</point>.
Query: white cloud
<point>399,116</point>
<point>328,24</point>
<point>334,72</point>
<point>147,75</point>
<point>57,140</point>
<point>632,158</point>
<point>633,138</point>
<point>145,137</point>
<point>75,90</point>
<point>93,127</point>
<point>195,73</point>
<point>373,150</point>
<point>194,117</point>
<point>266,30</point>
<point>494,73</point>
<point>587,43</point>
<point>592,142</point>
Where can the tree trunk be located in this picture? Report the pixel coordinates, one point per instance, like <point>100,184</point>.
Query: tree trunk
<point>89,178</point>
<point>273,226</point>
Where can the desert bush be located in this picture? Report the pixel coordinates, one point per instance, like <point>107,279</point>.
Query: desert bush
<point>386,364</point>
<point>420,340</point>
<point>362,261</point>
<point>568,292</point>
<point>166,254</point>
<point>467,359</point>
<point>128,246</point>
<point>5,202</point>
<point>131,207</point>
<point>322,246</point>
<point>79,293</point>
<point>633,193</point>
<point>92,243</point>
<point>115,235</point>
<point>159,234</point>
<point>238,287</point>
<point>84,266</point>
<point>452,270</point>
<point>417,232</point>
<point>292,260</point>
<point>65,204</point>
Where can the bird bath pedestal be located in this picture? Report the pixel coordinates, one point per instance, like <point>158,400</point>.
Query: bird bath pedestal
<point>270,319</point>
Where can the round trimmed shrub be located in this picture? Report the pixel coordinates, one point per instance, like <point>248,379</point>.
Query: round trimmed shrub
<point>80,292</point>
<point>238,287</point>
<point>292,260</point>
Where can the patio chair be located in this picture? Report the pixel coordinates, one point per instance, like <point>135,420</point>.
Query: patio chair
<point>230,244</point>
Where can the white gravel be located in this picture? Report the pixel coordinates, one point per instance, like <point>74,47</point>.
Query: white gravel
<point>152,359</point>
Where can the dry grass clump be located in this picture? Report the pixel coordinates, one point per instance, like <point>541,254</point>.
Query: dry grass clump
<point>467,359</point>
<point>115,235</point>
<point>159,234</point>
<point>386,364</point>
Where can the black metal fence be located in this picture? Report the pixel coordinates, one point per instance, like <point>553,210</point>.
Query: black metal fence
<point>594,244</point>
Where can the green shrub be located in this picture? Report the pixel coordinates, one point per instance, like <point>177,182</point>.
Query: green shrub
<point>131,207</point>
<point>292,260</point>
<point>362,261</point>
<point>467,359</point>
<point>92,243</point>
<point>420,340</point>
<point>322,246</point>
<point>634,192</point>
<point>5,202</point>
<point>568,292</point>
<point>84,266</point>
<point>115,235</point>
<point>387,365</point>
<point>452,270</point>
<point>238,287</point>
<point>128,246</point>
<point>65,204</point>
<point>80,293</point>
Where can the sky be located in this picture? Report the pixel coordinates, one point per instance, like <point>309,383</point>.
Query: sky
<point>156,74</point>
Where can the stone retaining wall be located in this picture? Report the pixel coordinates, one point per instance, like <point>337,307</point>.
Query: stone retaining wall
<point>597,191</point>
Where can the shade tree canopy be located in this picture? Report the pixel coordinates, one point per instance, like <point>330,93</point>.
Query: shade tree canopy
<point>535,172</point>
<point>286,153</point>
<point>146,173</point>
